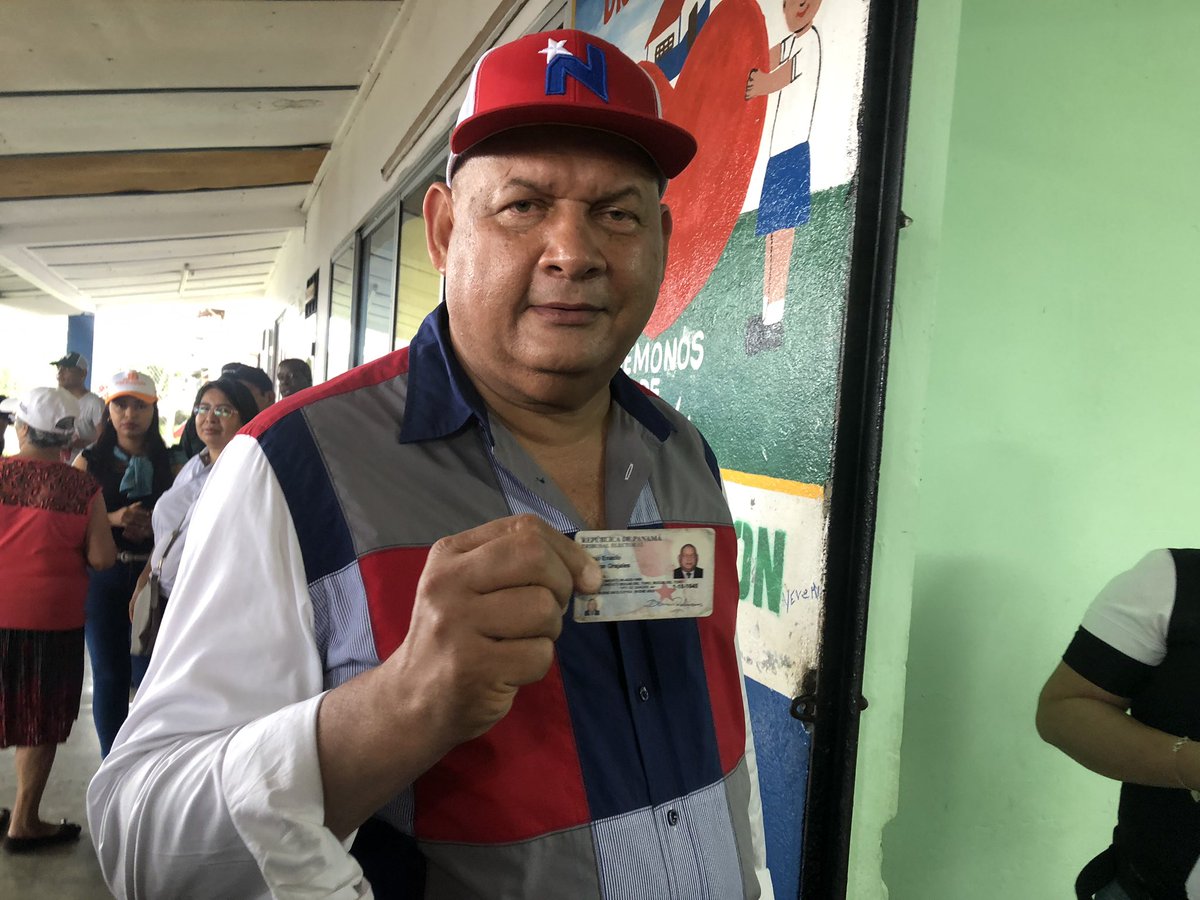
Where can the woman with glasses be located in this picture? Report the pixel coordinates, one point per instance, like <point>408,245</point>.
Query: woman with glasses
<point>222,408</point>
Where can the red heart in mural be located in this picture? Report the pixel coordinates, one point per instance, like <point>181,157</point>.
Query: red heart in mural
<point>709,100</point>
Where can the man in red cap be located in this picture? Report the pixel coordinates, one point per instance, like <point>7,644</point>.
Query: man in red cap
<point>397,651</point>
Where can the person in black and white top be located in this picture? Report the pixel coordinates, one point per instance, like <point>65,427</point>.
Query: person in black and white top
<point>1138,650</point>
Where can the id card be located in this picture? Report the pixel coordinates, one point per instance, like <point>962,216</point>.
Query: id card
<point>660,573</point>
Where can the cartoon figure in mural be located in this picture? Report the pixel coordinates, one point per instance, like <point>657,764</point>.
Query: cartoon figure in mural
<point>786,201</point>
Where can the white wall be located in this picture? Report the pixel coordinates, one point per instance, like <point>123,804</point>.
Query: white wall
<point>431,37</point>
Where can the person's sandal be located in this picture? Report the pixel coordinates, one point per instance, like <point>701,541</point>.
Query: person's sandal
<point>67,833</point>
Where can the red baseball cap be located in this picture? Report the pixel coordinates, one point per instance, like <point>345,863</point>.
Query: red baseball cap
<point>568,77</point>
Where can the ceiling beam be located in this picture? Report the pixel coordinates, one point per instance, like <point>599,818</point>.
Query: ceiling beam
<point>82,273</point>
<point>181,287</point>
<point>143,91</point>
<point>42,304</point>
<point>212,248</point>
<point>37,273</point>
<point>165,225</point>
<point>155,171</point>
<point>260,270</point>
<point>218,295</point>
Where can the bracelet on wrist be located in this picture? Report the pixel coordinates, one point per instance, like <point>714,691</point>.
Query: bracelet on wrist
<point>1175,748</point>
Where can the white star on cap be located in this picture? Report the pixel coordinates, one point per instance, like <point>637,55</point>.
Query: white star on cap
<point>555,48</point>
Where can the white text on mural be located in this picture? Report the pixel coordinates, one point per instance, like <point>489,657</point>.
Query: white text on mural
<point>648,359</point>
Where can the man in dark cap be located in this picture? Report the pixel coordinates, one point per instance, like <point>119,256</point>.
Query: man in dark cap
<point>262,388</point>
<point>72,375</point>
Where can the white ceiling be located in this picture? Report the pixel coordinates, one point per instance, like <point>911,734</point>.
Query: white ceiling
<point>90,89</point>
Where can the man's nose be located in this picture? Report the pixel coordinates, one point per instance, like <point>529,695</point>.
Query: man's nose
<point>572,245</point>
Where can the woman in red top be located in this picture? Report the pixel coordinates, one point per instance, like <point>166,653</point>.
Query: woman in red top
<point>53,523</point>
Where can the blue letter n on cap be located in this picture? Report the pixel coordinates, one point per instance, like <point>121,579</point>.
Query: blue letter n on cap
<point>592,76</point>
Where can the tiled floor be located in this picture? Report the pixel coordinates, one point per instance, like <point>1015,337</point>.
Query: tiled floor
<point>62,873</point>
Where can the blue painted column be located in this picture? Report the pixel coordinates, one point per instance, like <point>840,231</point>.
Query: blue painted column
<point>81,331</point>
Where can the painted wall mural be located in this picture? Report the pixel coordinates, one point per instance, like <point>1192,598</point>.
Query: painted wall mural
<point>747,335</point>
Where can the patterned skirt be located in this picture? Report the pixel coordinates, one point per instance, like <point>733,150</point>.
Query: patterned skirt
<point>41,680</point>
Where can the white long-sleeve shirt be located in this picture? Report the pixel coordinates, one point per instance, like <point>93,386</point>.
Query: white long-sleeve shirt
<point>213,786</point>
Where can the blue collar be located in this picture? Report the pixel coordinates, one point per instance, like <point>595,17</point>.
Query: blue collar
<point>442,399</point>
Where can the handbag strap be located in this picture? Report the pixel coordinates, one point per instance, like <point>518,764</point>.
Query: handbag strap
<point>170,543</point>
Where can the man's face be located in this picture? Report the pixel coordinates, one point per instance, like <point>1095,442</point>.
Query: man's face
<point>262,399</point>
<point>799,14</point>
<point>553,243</point>
<point>291,379</point>
<point>688,558</point>
<point>70,377</point>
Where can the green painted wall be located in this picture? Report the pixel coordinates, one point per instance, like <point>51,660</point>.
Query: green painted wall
<point>1051,439</point>
<point>917,278</point>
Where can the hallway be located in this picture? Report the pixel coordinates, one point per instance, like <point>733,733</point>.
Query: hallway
<point>62,873</point>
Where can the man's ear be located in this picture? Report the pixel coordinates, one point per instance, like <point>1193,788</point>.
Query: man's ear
<point>438,210</point>
<point>668,226</point>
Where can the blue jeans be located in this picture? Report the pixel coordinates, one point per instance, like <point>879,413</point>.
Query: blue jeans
<point>1112,891</point>
<point>107,632</point>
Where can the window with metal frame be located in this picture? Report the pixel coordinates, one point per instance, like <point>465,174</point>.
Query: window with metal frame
<point>341,308</point>
<point>375,300</point>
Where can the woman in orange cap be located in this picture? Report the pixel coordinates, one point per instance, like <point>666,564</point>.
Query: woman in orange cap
<point>130,461</point>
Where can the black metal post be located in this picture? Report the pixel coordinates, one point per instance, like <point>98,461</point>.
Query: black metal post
<point>857,448</point>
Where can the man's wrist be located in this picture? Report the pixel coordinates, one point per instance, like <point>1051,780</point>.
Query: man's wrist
<point>412,715</point>
<point>1185,762</point>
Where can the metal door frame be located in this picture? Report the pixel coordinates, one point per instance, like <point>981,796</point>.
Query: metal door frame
<point>857,448</point>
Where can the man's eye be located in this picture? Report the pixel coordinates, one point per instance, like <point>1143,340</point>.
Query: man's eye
<point>521,206</point>
<point>619,216</point>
